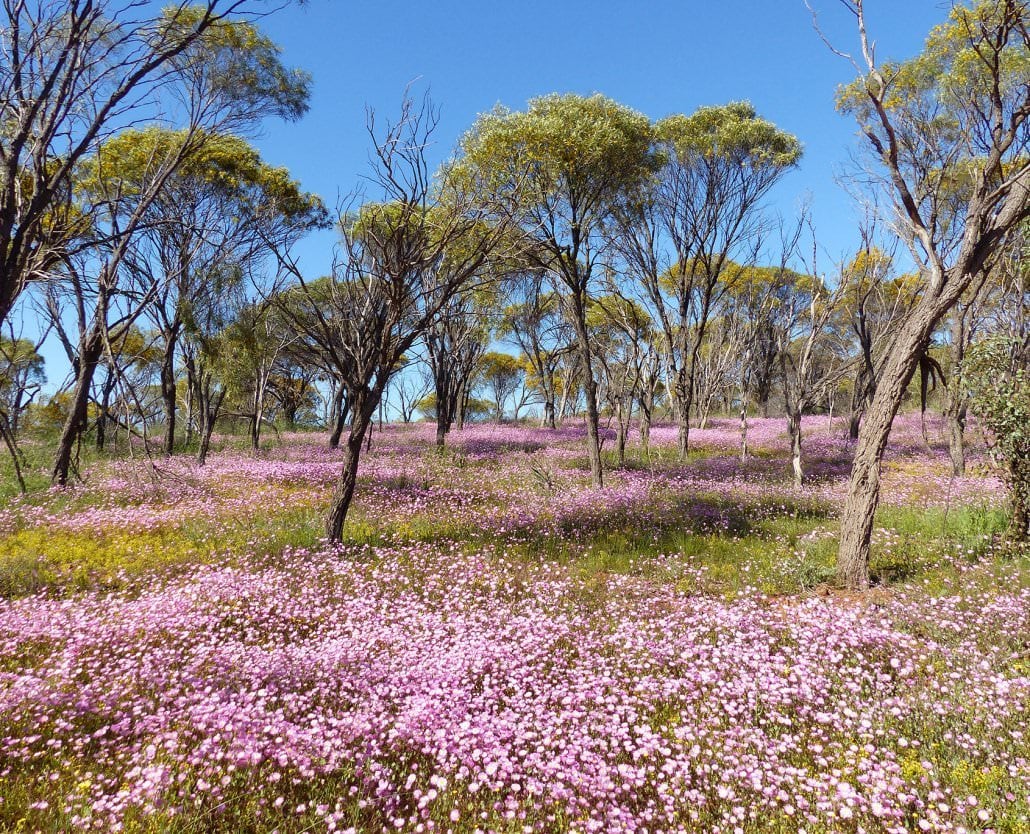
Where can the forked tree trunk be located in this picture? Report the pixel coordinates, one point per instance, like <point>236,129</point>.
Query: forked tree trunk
<point>89,358</point>
<point>338,417</point>
<point>549,414</point>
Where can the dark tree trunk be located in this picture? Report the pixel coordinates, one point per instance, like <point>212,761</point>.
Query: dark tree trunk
<point>168,395</point>
<point>854,423</point>
<point>90,350</point>
<point>590,391</point>
<point>105,407</point>
<point>89,358</point>
<point>743,434</point>
<point>338,416</point>
<point>549,419</point>
<point>344,493</point>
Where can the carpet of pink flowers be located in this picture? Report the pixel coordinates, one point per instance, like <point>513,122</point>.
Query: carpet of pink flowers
<point>425,685</point>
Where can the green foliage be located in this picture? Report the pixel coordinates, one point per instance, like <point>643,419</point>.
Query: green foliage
<point>224,165</point>
<point>234,62</point>
<point>954,70</point>
<point>733,132</point>
<point>566,155</point>
<point>995,373</point>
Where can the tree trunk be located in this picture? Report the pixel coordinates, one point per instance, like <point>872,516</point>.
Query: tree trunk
<point>259,413</point>
<point>105,405</point>
<point>590,392</point>
<point>338,417</point>
<point>461,403</point>
<point>1019,523</point>
<point>955,423</point>
<point>168,395</point>
<point>549,420</point>
<point>743,435</point>
<point>89,357</point>
<point>344,492</point>
<point>856,526</point>
<point>682,392</point>
<point>620,437</point>
<point>794,431</point>
<point>854,424</point>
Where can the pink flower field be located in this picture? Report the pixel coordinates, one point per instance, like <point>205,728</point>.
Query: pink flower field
<point>497,647</point>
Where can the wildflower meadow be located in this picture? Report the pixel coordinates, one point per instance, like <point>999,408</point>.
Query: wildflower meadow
<point>496,646</point>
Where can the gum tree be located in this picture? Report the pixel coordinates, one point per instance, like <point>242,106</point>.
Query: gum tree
<point>965,100</point>
<point>404,257</point>
<point>73,72</point>
<point>687,236</point>
<point>556,172</point>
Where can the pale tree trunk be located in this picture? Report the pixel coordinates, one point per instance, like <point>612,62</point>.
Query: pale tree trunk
<point>682,396</point>
<point>743,435</point>
<point>794,431</point>
<point>623,417</point>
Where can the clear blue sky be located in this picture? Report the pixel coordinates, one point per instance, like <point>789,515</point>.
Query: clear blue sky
<point>659,57</point>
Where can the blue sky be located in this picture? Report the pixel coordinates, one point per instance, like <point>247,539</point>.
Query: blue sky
<point>659,57</point>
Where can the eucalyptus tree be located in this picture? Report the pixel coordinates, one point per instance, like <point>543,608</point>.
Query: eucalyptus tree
<point>689,233</point>
<point>873,301</point>
<point>455,341</point>
<point>963,101</point>
<point>299,307</point>
<point>226,76</point>
<point>500,374</point>
<point>404,257</point>
<point>223,205</point>
<point>22,376</point>
<point>621,331</point>
<point>557,171</point>
<point>73,73</point>
<point>811,356</point>
<point>532,321</point>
